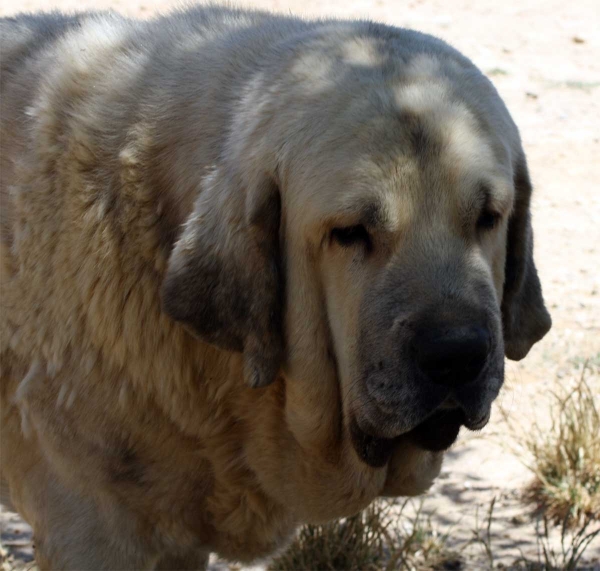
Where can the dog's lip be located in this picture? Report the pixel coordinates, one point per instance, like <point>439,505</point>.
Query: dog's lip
<point>439,430</point>
<point>477,422</point>
<point>474,419</point>
<point>435,432</point>
<point>375,451</point>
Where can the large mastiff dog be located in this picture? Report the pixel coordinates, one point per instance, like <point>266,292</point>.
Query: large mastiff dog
<point>256,271</point>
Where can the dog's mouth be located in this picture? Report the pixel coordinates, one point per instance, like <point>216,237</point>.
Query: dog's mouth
<point>436,433</point>
<point>439,431</point>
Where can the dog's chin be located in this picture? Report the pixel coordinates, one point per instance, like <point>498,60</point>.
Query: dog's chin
<point>435,434</point>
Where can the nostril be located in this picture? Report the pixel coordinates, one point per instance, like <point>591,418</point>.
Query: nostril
<point>453,356</point>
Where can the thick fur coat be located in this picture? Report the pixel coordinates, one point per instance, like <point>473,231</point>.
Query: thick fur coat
<point>222,232</point>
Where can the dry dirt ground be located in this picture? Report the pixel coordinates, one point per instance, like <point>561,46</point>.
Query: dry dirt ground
<point>544,57</point>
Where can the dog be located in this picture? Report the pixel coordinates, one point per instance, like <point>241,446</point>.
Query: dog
<point>256,272</point>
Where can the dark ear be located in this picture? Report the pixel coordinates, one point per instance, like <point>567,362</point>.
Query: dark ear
<point>524,316</point>
<point>223,280</point>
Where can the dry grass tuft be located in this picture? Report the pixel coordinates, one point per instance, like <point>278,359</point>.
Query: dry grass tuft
<point>566,457</point>
<point>573,544</point>
<point>355,543</point>
<point>369,541</point>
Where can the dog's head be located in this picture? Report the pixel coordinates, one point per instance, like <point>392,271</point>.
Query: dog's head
<point>367,236</point>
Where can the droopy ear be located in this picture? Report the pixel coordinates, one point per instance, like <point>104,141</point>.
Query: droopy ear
<point>524,315</point>
<point>223,280</point>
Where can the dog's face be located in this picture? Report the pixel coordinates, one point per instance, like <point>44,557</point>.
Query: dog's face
<point>376,248</point>
<point>409,237</point>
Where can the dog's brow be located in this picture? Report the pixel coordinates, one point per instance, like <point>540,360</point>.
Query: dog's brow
<point>372,215</point>
<point>491,197</point>
<point>368,212</point>
<point>486,192</point>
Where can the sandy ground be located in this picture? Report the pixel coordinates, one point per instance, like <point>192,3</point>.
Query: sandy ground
<point>544,57</point>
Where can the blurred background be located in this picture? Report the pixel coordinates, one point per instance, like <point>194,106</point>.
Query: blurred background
<point>526,491</point>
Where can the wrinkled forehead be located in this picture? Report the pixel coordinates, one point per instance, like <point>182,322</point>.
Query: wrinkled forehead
<point>427,150</point>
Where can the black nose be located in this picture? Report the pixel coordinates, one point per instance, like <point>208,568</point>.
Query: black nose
<point>452,356</point>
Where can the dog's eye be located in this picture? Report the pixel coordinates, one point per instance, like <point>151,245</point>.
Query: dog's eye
<point>488,220</point>
<point>352,235</point>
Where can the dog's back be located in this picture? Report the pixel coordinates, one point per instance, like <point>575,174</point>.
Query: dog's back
<point>24,35</point>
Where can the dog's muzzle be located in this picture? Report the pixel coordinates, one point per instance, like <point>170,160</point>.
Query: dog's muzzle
<point>455,379</point>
